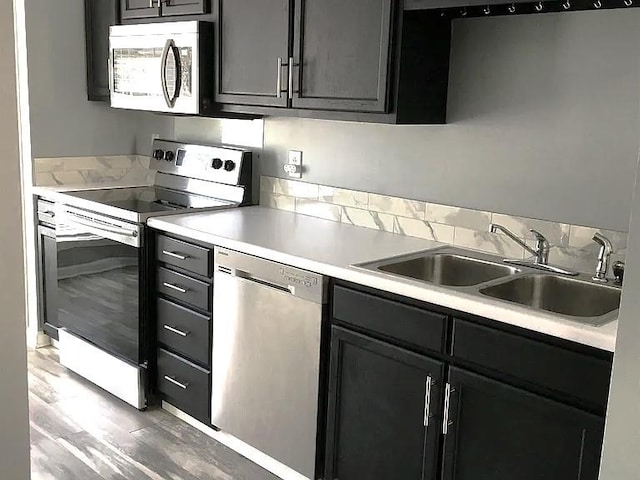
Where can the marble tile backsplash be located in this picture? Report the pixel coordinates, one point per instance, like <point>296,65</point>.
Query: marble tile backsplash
<point>571,245</point>
<point>60,171</point>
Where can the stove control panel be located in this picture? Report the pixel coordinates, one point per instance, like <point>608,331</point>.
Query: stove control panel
<point>222,164</point>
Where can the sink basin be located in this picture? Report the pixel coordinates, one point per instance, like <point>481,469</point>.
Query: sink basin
<point>566,296</point>
<point>448,269</point>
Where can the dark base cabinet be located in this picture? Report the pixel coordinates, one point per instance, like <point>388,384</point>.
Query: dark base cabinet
<point>419,394</point>
<point>499,432</point>
<point>383,411</point>
<point>182,291</point>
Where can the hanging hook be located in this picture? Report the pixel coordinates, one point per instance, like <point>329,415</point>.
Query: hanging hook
<point>597,4</point>
<point>566,5</point>
<point>512,8</point>
<point>487,10</point>
<point>463,12</point>
<point>539,6</point>
<point>628,3</point>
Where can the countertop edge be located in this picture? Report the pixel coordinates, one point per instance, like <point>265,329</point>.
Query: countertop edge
<point>494,310</point>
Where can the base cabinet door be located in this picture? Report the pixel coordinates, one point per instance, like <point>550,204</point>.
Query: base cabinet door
<point>499,432</point>
<point>384,411</point>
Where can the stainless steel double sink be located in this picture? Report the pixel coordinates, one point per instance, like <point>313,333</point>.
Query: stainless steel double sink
<point>576,298</point>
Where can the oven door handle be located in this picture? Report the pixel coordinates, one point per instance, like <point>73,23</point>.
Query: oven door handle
<point>104,228</point>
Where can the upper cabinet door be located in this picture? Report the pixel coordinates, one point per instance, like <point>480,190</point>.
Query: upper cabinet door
<point>342,51</point>
<point>503,433</point>
<point>184,7</point>
<point>99,16</point>
<point>253,49</point>
<point>135,9</point>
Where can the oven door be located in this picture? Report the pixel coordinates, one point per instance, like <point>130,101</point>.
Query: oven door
<point>100,271</point>
<point>154,67</point>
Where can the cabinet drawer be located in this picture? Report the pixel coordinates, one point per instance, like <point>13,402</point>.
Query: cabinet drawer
<point>184,385</point>
<point>395,320</point>
<point>577,375</point>
<point>184,255</point>
<point>184,331</point>
<point>185,289</point>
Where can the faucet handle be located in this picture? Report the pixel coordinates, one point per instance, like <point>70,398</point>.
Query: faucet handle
<point>618,272</point>
<point>539,237</point>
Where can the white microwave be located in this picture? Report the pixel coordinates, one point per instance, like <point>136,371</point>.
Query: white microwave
<point>162,67</point>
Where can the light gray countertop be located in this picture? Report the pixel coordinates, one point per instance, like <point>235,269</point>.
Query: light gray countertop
<point>331,249</point>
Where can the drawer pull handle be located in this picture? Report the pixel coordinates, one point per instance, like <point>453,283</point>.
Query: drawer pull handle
<point>174,255</point>
<point>175,330</point>
<point>170,379</point>
<point>175,287</point>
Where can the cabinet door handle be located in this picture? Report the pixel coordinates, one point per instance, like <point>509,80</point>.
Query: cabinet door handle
<point>279,80</point>
<point>176,331</point>
<point>175,287</point>
<point>427,400</point>
<point>174,255</point>
<point>169,379</point>
<point>291,65</point>
<point>446,423</point>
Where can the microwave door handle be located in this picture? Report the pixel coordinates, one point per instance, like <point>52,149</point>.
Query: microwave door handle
<point>163,72</point>
<point>178,60</point>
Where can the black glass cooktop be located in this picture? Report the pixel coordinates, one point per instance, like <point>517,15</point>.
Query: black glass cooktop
<point>145,200</point>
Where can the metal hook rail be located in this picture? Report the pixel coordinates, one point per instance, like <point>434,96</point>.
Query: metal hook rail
<point>537,7</point>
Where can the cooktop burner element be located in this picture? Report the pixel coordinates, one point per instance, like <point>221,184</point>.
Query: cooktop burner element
<point>187,177</point>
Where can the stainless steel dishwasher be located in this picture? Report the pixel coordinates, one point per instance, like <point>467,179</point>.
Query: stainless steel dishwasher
<point>267,322</point>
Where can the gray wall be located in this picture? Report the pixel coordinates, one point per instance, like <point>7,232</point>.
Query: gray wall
<point>63,122</point>
<point>622,434</point>
<point>543,117</point>
<point>14,413</point>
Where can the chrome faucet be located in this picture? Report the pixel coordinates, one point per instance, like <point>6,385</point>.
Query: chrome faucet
<point>603,257</point>
<point>541,252</point>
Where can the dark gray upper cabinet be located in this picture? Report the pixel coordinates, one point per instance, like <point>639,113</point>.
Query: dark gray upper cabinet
<point>366,61</point>
<point>136,9</point>
<point>341,54</point>
<point>384,409</point>
<point>145,9</point>
<point>99,16</point>
<point>502,433</point>
<point>183,7</point>
<point>252,37</point>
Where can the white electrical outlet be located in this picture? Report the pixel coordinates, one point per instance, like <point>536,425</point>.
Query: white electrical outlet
<point>294,167</point>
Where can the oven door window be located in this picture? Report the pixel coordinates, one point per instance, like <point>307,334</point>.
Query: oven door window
<point>99,291</point>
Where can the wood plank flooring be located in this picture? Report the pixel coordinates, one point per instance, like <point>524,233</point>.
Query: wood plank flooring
<point>78,431</point>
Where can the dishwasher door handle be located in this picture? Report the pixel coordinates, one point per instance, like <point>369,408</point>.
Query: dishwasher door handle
<point>265,283</point>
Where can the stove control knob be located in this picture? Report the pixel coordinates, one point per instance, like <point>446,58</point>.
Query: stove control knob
<point>158,154</point>
<point>216,163</point>
<point>169,156</point>
<point>229,165</point>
